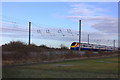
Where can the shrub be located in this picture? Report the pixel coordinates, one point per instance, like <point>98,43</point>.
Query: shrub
<point>14,46</point>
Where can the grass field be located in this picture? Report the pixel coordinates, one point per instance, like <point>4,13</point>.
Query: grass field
<point>99,68</point>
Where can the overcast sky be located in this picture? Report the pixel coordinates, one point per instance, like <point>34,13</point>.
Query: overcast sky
<point>99,19</point>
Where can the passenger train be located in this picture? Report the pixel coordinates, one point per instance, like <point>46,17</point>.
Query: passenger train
<point>94,47</point>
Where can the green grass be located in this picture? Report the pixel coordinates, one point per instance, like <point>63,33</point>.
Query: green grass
<point>77,69</point>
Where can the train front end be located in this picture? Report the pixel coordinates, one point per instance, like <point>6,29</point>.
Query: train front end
<point>74,46</point>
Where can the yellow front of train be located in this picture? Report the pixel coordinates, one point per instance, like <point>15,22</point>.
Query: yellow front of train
<point>73,46</point>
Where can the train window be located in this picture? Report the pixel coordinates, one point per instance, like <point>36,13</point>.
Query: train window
<point>83,45</point>
<point>89,46</point>
<point>86,46</point>
<point>73,43</point>
<point>101,47</point>
<point>96,47</point>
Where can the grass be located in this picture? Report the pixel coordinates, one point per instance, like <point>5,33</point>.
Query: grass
<point>68,69</point>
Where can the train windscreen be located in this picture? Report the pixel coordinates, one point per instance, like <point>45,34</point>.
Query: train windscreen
<point>73,43</point>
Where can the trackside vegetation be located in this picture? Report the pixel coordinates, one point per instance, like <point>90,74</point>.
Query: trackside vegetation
<point>17,52</point>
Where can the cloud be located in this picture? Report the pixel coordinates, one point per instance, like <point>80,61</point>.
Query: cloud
<point>108,26</point>
<point>85,9</point>
<point>91,18</point>
<point>94,18</point>
<point>101,23</point>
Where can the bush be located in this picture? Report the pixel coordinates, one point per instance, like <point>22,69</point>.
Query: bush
<point>14,46</point>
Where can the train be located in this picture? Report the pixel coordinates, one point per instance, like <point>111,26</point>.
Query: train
<point>90,47</point>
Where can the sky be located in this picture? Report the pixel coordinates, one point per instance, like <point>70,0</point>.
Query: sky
<point>99,20</point>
